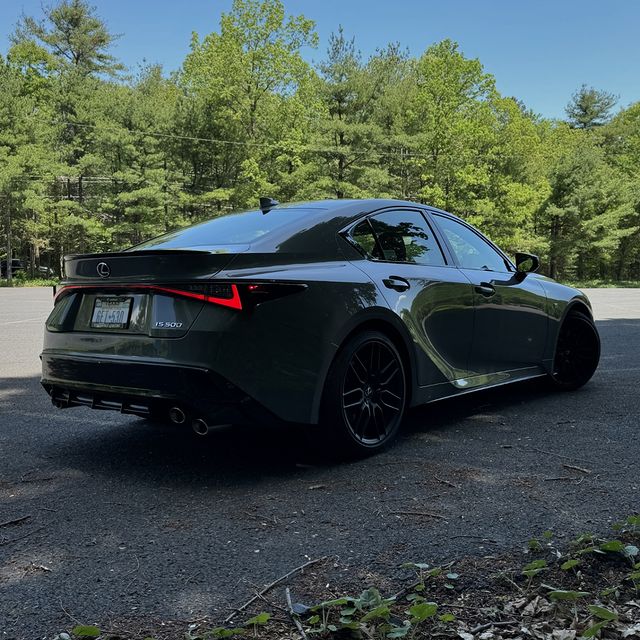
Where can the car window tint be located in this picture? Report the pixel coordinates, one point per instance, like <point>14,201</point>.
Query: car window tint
<point>469,248</point>
<point>231,228</point>
<point>363,236</point>
<point>405,236</point>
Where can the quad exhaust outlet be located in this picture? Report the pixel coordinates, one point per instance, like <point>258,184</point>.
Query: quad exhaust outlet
<point>177,415</point>
<point>200,427</point>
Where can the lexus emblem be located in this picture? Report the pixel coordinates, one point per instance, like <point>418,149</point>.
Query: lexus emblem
<point>103,269</point>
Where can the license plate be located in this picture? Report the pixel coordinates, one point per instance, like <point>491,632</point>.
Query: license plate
<point>111,313</point>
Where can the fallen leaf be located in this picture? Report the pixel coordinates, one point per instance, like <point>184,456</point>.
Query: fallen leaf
<point>537,605</point>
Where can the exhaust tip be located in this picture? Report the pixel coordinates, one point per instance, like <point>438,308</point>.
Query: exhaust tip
<point>177,415</point>
<point>58,404</point>
<point>200,427</point>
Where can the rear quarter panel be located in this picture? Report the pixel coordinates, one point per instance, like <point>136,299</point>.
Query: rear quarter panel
<point>280,352</point>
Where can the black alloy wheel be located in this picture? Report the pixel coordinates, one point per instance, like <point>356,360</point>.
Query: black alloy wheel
<point>577,352</point>
<point>366,394</point>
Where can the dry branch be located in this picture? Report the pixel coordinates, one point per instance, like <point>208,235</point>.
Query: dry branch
<point>293,615</point>
<point>488,625</point>
<point>580,469</point>
<point>270,586</point>
<point>8,523</point>
<point>426,514</point>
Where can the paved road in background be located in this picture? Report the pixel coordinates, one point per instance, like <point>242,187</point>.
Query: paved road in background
<point>127,520</point>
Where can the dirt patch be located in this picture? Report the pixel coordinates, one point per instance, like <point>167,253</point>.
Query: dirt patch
<point>588,587</point>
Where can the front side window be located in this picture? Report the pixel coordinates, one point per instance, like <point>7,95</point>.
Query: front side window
<point>398,236</point>
<point>471,251</point>
<point>405,236</point>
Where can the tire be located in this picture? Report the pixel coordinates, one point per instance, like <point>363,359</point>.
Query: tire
<point>365,397</point>
<point>577,352</point>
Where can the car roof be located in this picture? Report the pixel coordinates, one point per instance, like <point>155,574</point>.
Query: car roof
<point>357,207</point>
<point>340,209</point>
<point>295,228</point>
<point>369,204</point>
<point>322,219</point>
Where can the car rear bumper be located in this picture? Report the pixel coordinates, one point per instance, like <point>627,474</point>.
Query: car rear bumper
<point>146,389</point>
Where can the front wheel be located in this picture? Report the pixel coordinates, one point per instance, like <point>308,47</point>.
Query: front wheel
<point>577,352</point>
<point>365,396</point>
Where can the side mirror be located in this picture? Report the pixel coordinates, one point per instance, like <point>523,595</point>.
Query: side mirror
<point>527,263</point>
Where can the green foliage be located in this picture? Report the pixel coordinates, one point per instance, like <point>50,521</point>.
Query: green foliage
<point>534,545</point>
<point>570,564</point>
<point>634,576</point>
<point>370,615</point>
<point>566,595</point>
<point>86,631</point>
<point>23,281</point>
<point>534,568</point>
<point>536,606</point>
<point>422,611</point>
<point>93,160</point>
<point>632,524</point>
<point>602,612</point>
<point>590,108</point>
<point>604,617</point>
<point>254,623</point>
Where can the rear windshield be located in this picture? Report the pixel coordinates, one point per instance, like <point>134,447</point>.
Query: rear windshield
<point>232,228</point>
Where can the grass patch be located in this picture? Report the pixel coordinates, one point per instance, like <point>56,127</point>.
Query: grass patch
<point>586,588</point>
<point>29,282</point>
<point>604,284</point>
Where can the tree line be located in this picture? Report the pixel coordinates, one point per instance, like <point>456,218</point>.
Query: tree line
<point>94,157</point>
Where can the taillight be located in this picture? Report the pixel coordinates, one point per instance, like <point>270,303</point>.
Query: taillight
<point>235,296</point>
<point>223,294</point>
<point>255,294</point>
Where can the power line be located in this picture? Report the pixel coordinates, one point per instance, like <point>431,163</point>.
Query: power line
<point>105,180</point>
<point>275,145</point>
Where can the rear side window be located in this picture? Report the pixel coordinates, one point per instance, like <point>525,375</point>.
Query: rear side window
<point>405,236</point>
<point>362,235</point>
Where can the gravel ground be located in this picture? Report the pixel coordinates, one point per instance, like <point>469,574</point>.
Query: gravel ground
<point>121,520</point>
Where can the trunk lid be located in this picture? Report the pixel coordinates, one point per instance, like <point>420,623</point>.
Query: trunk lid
<point>122,292</point>
<point>151,265</point>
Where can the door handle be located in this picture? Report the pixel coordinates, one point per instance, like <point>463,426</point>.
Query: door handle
<point>396,283</point>
<point>485,289</point>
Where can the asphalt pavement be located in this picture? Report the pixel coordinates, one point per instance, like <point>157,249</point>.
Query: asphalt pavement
<point>105,518</point>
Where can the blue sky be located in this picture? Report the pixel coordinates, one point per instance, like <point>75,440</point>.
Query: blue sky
<point>539,50</point>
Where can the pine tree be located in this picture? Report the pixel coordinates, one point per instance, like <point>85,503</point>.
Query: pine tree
<point>590,108</point>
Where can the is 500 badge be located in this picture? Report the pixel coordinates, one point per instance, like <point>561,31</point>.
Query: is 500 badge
<point>167,325</point>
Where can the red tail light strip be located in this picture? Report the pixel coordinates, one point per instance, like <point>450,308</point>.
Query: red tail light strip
<point>233,302</point>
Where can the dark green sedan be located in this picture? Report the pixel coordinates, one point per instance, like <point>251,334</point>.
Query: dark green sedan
<point>339,314</point>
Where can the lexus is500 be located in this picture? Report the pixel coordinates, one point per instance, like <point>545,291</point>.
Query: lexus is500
<point>340,314</point>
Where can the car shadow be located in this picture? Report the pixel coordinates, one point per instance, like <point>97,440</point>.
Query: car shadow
<point>451,411</point>
<point>129,448</point>
<point>110,444</point>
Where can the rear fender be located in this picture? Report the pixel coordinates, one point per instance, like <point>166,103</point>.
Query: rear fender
<point>378,319</point>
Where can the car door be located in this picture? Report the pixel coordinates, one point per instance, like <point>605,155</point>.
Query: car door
<point>420,284</point>
<point>510,327</point>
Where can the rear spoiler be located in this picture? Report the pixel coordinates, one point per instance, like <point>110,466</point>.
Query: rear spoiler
<point>149,265</point>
